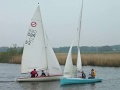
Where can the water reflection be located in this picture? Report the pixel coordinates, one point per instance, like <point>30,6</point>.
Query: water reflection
<point>78,87</point>
<point>33,86</point>
<point>92,86</point>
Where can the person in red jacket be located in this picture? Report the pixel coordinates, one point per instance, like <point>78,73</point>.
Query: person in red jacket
<point>34,73</point>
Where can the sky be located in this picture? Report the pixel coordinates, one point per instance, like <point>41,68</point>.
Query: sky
<point>100,21</point>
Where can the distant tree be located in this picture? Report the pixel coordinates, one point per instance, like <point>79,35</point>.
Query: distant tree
<point>105,49</point>
<point>13,50</point>
<point>21,50</point>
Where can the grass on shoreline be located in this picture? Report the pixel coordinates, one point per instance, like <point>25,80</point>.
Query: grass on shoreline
<point>106,60</point>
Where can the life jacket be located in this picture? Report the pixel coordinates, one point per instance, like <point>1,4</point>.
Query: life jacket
<point>94,73</point>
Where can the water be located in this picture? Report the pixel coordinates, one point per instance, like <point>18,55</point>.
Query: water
<point>9,72</point>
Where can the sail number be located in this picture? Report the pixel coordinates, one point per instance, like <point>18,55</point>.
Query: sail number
<point>30,36</point>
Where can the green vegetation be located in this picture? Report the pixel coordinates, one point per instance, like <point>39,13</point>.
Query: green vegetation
<point>86,49</point>
<point>10,55</point>
<point>83,49</point>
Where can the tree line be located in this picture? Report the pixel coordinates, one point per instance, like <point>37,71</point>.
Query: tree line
<point>84,49</point>
<point>92,49</point>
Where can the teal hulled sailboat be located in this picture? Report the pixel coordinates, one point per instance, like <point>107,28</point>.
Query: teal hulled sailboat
<point>69,72</point>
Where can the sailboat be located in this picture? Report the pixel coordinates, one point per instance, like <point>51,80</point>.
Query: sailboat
<point>69,72</point>
<point>38,53</point>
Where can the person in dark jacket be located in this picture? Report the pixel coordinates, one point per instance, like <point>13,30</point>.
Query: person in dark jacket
<point>34,73</point>
<point>83,74</point>
<point>43,73</point>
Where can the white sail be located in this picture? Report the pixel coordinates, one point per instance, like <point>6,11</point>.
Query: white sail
<point>53,65</point>
<point>37,51</point>
<point>69,70</point>
<point>79,63</point>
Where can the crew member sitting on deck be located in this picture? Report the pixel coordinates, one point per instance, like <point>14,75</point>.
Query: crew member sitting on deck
<point>34,73</point>
<point>93,74</point>
<point>43,73</point>
<point>83,74</point>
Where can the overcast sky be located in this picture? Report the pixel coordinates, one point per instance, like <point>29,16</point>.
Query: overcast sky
<point>100,22</point>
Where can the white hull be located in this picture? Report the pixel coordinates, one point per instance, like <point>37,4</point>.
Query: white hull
<point>41,79</point>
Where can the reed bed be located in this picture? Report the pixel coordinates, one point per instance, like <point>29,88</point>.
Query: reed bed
<point>16,59</point>
<point>110,60</point>
<point>106,60</point>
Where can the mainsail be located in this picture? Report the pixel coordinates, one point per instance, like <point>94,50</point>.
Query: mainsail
<point>38,52</point>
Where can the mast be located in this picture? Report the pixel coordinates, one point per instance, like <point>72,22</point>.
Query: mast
<point>79,29</point>
<point>79,63</point>
<point>44,40</point>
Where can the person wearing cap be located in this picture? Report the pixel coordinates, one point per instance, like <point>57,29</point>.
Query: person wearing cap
<point>34,73</point>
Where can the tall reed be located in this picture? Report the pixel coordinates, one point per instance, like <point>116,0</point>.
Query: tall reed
<point>16,59</point>
<point>110,60</point>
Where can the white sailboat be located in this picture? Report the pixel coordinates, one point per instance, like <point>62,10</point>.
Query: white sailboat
<point>69,72</point>
<point>38,53</point>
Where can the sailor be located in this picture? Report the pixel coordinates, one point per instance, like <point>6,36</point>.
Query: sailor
<point>34,73</point>
<point>83,74</point>
<point>43,73</point>
<point>93,74</point>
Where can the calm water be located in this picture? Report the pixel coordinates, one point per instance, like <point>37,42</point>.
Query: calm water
<point>8,73</point>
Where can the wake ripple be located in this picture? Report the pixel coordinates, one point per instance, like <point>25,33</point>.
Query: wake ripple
<point>6,81</point>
